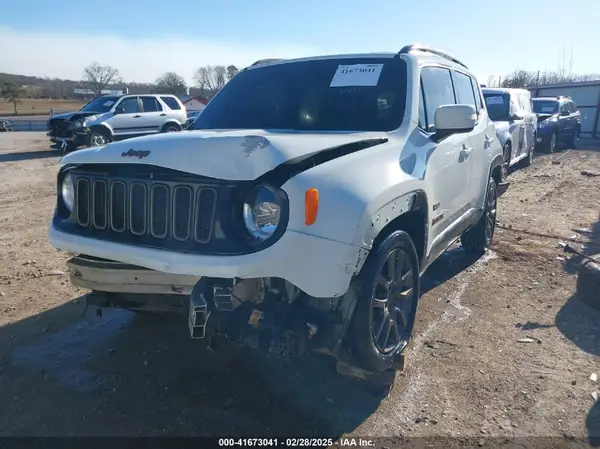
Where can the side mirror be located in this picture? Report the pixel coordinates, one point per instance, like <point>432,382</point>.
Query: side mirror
<point>563,113</point>
<point>119,110</point>
<point>454,118</point>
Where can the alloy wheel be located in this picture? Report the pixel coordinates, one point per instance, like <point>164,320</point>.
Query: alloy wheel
<point>98,140</point>
<point>490,214</point>
<point>393,302</point>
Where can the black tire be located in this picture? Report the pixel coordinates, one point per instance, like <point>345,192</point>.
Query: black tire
<point>506,153</point>
<point>477,239</point>
<point>98,137</point>
<point>368,329</point>
<point>529,159</point>
<point>574,138</point>
<point>171,128</point>
<point>553,143</point>
<point>588,282</point>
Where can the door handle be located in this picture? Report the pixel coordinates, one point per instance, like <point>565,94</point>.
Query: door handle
<point>137,116</point>
<point>466,150</point>
<point>163,114</point>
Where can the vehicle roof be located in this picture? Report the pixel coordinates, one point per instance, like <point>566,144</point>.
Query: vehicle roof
<point>502,90</point>
<point>552,98</point>
<point>136,95</point>
<point>416,55</point>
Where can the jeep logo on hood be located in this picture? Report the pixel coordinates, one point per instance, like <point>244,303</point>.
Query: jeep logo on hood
<point>135,153</point>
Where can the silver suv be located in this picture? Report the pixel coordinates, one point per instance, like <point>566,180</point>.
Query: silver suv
<point>111,117</point>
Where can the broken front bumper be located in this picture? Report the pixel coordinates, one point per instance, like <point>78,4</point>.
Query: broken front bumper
<point>109,276</point>
<point>320,267</point>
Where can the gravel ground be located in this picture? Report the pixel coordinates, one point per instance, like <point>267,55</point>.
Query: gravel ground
<point>467,376</point>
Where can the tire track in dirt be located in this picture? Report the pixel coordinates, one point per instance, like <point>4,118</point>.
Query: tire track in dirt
<point>403,404</point>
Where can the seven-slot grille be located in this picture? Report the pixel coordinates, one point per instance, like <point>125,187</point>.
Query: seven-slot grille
<point>162,210</point>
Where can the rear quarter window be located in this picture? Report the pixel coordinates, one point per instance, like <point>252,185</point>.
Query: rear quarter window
<point>171,102</point>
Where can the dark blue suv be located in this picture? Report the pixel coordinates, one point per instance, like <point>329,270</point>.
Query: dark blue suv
<point>558,122</point>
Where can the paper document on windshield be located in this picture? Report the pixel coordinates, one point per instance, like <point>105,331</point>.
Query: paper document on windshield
<point>494,100</point>
<point>365,75</point>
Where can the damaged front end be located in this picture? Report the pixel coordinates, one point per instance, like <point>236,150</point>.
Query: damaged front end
<point>269,314</point>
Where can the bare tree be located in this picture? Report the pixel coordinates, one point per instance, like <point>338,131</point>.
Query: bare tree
<point>12,93</point>
<point>231,71</point>
<point>171,83</point>
<point>210,79</point>
<point>99,76</point>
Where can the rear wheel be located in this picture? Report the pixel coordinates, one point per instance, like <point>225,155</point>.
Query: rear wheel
<point>477,239</point>
<point>171,128</point>
<point>383,320</point>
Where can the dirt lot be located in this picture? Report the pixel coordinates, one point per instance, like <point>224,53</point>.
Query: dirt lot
<point>467,375</point>
<point>33,106</point>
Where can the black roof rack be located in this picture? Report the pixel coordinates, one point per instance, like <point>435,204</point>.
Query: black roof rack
<point>414,47</point>
<point>266,61</point>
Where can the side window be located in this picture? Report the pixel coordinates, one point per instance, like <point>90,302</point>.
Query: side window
<point>171,102</point>
<point>477,93</point>
<point>129,105</point>
<point>150,104</point>
<point>573,107</point>
<point>464,89</point>
<point>437,90</point>
<point>525,103</point>
<point>563,108</point>
<point>422,114</point>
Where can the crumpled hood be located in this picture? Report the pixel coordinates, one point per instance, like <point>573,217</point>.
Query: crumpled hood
<point>231,155</point>
<point>71,116</point>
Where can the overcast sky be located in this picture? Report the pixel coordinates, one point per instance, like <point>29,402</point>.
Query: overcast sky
<point>58,38</point>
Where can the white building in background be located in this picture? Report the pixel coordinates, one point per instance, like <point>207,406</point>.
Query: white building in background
<point>104,92</point>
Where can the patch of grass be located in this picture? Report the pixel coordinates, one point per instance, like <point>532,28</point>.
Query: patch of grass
<point>36,106</point>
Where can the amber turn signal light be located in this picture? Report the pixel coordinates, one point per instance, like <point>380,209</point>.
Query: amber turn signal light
<point>311,206</point>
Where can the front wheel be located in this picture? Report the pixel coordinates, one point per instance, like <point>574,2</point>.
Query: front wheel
<point>529,159</point>
<point>574,138</point>
<point>384,317</point>
<point>477,239</point>
<point>553,141</point>
<point>506,153</point>
<point>98,138</point>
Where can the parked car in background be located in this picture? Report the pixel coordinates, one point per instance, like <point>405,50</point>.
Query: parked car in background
<point>116,117</point>
<point>191,116</point>
<point>365,168</point>
<point>559,122</point>
<point>5,126</point>
<point>511,111</point>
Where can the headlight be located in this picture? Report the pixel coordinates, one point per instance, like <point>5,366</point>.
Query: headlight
<point>68,192</point>
<point>79,123</point>
<point>262,211</point>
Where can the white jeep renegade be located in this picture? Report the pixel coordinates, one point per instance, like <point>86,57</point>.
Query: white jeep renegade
<point>299,210</point>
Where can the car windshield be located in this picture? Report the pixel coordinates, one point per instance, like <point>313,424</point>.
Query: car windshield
<point>100,104</point>
<point>357,94</point>
<point>545,106</point>
<point>498,106</point>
